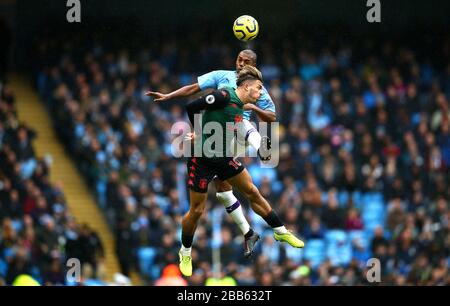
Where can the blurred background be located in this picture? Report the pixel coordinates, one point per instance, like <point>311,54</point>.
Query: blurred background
<point>86,169</point>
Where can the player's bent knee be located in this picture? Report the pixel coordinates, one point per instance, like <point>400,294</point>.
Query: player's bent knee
<point>197,210</point>
<point>222,186</point>
<point>252,192</point>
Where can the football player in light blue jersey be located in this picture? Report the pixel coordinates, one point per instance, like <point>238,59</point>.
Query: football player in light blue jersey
<point>264,108</point>
<point>227,78</point>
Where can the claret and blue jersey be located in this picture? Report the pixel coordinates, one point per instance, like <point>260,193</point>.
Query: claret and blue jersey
<point>227,78</point>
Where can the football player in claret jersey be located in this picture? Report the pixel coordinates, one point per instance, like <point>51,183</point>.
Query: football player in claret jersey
<point>264,108</point>
<point>224,107</point>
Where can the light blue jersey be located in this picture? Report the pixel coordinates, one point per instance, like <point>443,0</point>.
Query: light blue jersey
<point>227,78</point>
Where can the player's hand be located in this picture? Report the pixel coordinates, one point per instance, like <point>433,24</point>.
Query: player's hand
<point>157,96</point>
<point>249,107</point>
<point>189,137</point>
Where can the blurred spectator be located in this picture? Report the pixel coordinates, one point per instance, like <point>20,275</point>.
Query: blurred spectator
<point>353,220</point>
<point>171,276</point>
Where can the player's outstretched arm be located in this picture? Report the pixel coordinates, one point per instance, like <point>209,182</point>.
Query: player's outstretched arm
<point>215,100</point>
<point>184,91</point>
<point>264,115</point>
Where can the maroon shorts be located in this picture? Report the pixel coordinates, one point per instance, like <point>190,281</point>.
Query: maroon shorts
<point>202,170</point>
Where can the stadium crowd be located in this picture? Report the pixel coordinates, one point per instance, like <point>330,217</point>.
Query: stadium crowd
<point>364,154</point>
<point>38,234</point>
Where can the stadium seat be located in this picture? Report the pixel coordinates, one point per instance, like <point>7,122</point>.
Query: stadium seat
<point>101,192</point>
<point>294,254</point>
<point>339,253</point>
<point>357,199</point>
<point>335,236</point>
<point>315,252</point>
<point>338,247</point>
<point>3,268</point>
<point>360,236</point>
<point>146,256</point>
<point>343,197</point>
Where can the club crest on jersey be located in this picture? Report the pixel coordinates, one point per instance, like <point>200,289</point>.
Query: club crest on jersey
<point>203,183</point>
<point>210,99</point>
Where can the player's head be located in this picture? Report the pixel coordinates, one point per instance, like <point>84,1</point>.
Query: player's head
<point>249,83</point>
<point>245,57</point>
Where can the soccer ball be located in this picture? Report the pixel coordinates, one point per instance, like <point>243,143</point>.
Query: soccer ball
<point>245,28</point>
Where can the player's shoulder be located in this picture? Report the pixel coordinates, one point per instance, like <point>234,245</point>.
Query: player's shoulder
<point>218,97</point>
<point>226,91</point>
<point>223,72</point>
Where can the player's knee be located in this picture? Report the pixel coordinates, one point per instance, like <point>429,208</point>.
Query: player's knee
<point>252,193</point>
<point>226,197</point>
<point>222,186</point>
<point>197,210</point>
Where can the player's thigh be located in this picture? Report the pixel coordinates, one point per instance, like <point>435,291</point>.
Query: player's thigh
<point>197,200</point>
<point>243,181</point>
<point>199,175</point>
<point>222,186</point>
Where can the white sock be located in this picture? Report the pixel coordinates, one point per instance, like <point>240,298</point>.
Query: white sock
<point>229,201</point>
<point>280,230</point>
<point>185,251</point>
<point>254,139</point>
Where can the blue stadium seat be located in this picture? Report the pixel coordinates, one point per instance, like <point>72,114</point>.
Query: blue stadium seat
<point>315,252</point>
<point>3,268</point>
<point>338,247</point>
<point>294,254</point>
<point>277,187</point>
<point>357,199</point>
<point>92,282</point>
<point>335,236</point>
<point>101,192</point>
<point>361,236</point>
<point>146,255</point>
<point>324,197</point>
<point>299,184</point>
<point>378,197</point>
<point>36,274</point>
<point>362,253</point>
<point>343,198</point>
<point>373,212</point>
<point>17,225</point>
<point>340,253</point>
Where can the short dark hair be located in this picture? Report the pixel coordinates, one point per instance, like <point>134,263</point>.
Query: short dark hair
<point>251,54</point>
<point>248,73</point>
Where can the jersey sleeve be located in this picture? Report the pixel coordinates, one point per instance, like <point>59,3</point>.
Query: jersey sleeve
<point>265,102</point>
<point>209,80</point>
<point>215,100</point>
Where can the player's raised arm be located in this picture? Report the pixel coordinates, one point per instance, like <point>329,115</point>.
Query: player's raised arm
<point>264,115</point>
<point>184,91</point>
<point>215,100</point>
